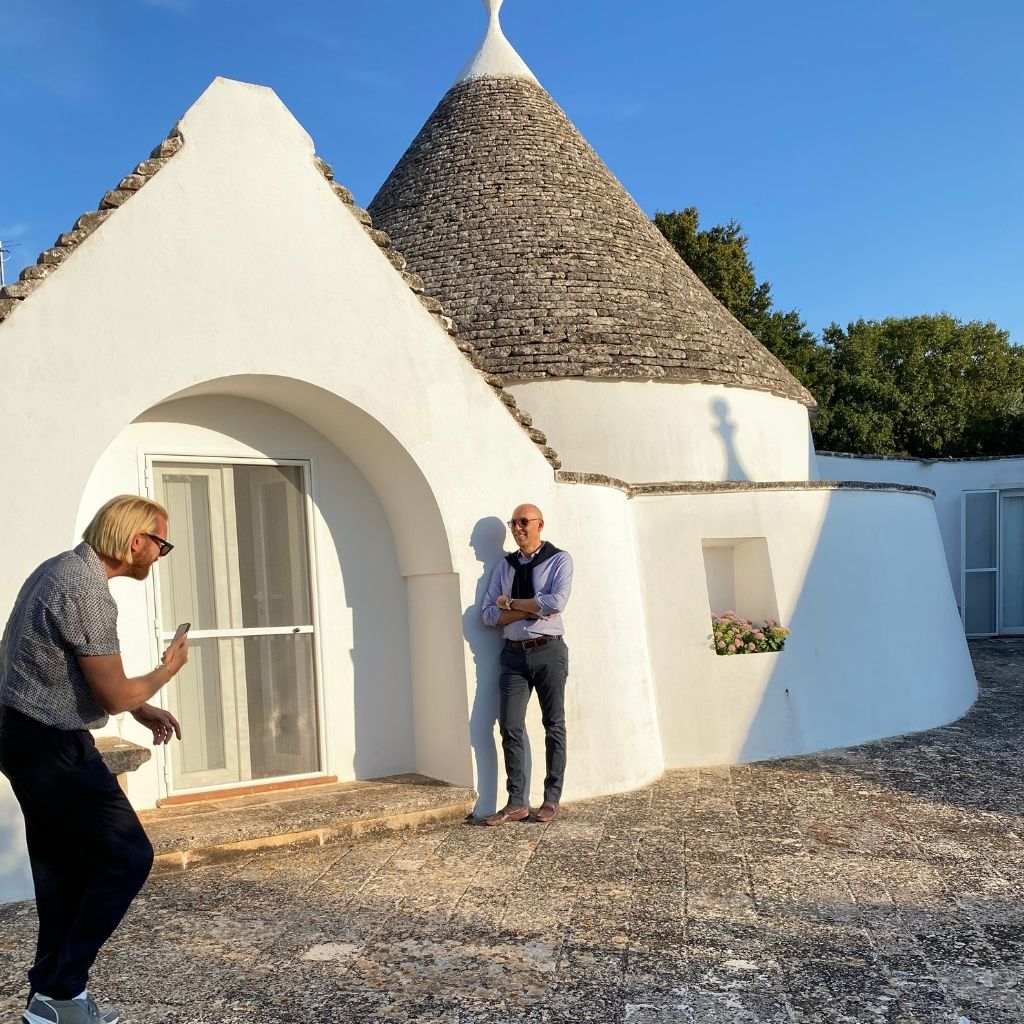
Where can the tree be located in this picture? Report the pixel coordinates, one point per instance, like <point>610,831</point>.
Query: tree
<point>719,257</point>
<point>922,386</point>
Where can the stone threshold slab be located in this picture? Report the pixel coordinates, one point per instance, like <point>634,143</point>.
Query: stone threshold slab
<point>193,835</point>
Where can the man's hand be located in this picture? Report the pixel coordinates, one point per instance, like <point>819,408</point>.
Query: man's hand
<point>510,614</point>
<point>161,723</point>
<point>176,655</point>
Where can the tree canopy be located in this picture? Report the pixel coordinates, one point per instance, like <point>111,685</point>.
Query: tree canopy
<point>924,386</point>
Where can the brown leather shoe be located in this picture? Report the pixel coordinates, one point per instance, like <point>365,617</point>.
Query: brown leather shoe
<point>508,814</point>
<point>547,811</point>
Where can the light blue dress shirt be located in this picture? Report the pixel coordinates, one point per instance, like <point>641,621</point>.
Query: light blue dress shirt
<point>552,582</point>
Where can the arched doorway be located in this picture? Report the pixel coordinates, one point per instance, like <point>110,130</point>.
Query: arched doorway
<point>290,504</point>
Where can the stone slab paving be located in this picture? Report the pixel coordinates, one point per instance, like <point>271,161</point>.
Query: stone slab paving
<point>879,884</point>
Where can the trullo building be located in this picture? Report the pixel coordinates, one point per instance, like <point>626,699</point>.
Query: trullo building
<point>339,443</point>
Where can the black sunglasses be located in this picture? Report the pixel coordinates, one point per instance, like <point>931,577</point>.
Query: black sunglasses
<point>522,523</point>
<point>165,546</point>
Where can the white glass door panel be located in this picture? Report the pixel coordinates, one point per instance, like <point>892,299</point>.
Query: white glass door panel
<point>979,555</point>
<point>240,574</point>
<point>280,667</point>
<point>1011,562</point>
<point>199,584</point>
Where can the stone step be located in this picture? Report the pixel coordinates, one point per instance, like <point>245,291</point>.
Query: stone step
<point>209,831</point>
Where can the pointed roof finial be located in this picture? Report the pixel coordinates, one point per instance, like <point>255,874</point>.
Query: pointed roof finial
<point>497,56</point>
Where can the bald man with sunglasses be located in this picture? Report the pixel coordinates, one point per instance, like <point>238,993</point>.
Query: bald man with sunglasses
<point>527,592</point>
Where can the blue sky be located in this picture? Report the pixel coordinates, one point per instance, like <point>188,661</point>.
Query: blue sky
<point>872,149</point>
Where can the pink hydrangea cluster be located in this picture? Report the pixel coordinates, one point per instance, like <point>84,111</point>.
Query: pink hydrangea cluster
<point>732,635</point>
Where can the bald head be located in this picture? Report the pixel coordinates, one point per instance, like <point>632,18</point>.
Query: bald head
<point>526,523</point>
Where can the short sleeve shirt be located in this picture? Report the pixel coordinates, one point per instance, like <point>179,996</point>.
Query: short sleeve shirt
<point>64,610</point>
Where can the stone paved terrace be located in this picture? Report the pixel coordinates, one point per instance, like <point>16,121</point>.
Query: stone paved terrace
<point>882,883</point>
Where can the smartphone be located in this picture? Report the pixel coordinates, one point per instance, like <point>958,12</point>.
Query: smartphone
<point>181,631</point>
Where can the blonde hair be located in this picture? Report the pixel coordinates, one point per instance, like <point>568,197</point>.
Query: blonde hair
<point>117,523</point>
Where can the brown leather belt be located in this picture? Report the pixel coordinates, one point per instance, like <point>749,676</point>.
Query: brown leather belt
<point>525,645</point>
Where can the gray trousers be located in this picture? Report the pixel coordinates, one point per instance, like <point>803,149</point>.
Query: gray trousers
<point>543,669</point>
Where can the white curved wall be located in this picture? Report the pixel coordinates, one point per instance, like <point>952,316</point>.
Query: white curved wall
<point>642,431</point>
<point>876,646</point>
<point>947,478</point>
<point>363,628</point>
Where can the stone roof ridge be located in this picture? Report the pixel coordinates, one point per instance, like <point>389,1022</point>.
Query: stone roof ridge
<point>496,57</point>
<point>49,260</point>
<point>663,487</point>
<point>434,307</point>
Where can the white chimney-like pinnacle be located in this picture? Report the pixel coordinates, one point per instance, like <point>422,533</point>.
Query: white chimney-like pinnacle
<point>497,56</point>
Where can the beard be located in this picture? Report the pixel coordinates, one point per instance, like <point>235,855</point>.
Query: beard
<point>140,572</point>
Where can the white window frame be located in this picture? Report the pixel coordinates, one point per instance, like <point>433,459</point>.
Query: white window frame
<point>161,637</point>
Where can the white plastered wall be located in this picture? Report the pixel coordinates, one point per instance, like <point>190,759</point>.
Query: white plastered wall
<point>172,298</point>
<point>948,479</point>
<point>642,431</point>
<point>875,650</point>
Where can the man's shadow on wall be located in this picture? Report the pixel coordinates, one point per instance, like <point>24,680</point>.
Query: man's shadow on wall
<point>488,543</point>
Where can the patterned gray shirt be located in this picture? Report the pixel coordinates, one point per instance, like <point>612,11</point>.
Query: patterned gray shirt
<point>65,609</point>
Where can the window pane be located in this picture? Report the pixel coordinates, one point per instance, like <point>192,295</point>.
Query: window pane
<point>980,530</point>
<point>281,701</point>
<point>196,698</point>
<point>270,513</point>
<point>247,709</point>
<point>1012,565</point>
<point>979,603</point>
<point>186,575</point>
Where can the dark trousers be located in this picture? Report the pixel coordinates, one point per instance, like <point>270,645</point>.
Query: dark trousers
<point>543,669</point>
<point>88,850</point>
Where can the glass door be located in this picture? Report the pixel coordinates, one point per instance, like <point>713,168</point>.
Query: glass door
<point>1011,562</point>
<point>979,562</point>
<point>240,573</point>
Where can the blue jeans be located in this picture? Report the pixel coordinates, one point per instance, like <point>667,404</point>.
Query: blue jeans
<point>543,669</point>
<point>89,853</point>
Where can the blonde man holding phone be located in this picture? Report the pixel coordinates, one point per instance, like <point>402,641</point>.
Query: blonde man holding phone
<point>60,677</point>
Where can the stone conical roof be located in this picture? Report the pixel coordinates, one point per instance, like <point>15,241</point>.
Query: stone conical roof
<point>543,259</point>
